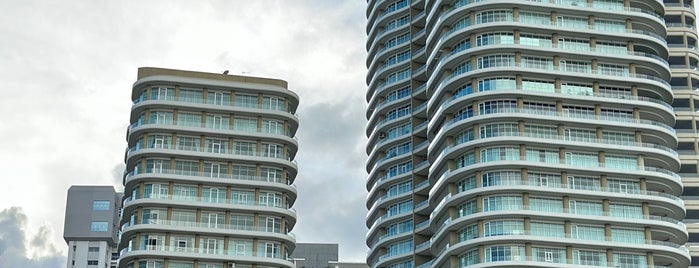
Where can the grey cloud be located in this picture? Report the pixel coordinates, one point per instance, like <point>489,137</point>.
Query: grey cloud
<point>331,203</point>
<point>13,246</point>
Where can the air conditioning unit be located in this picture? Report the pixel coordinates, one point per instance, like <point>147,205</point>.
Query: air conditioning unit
<point>231,265</point>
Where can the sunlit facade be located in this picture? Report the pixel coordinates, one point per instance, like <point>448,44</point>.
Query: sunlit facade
<point>210,171</point>
<point>527,133</point>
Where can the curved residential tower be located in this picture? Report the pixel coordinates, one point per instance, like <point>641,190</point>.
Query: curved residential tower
<point>209,172</point>
<point>513,133</point>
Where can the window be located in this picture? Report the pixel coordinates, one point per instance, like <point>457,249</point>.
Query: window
<point>585,207</point>
<point>188,119</point>
<point>493,16</point>
<point>93,249</point>
<point>499,60</point>
<point>99,226</point>
<point>592,258</point>
<point>243,100</point>
<point>469,258</point>
<point>494,203</point>
<point>100,205</point>
<point>497,228</point>
<point>92,262</point>
<point>546,229</point>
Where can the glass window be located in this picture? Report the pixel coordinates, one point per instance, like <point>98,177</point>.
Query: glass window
<point>610,25</point>
<point>586,207</point>
<point>245,124</point>
<point>537,85</point>
<point>537,63</point>
<point>162,93</point>
<point>628,236</point>
<point>246,100</point>
<point>542,155</point>
<point>100,205</point>
<point>624,260</point>
<point>582,159</point>
<point>572,22</point>
<point>583,183</point>
<point>545,204</point>
<point>497,228</point>
<point>468,233</point>
<point>576,89</point>
<point>190,95</point>
<point>494,39</point>
<point>493,16</point>
<point>494,203</point>
<point>497,83</point>
<point>500,154</point>
<point>585,232</point>
<point>99,226</point>
<point>626,211</point>
<point>469,258</point>
<point>499,60</point>
<point>501,178</point>
<point>587,257</point>
<point>499,129</point>
<point>546,229</point>
<point>535,18</point>
<point>554,255</point>
<point>188,119</point>
<point>534,39</point>
<point>504,253</point>
<point>218,97</point>
<point>466,184</point>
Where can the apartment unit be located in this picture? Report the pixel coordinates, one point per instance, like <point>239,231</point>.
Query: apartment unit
<point>91,225</point>
<point>514,133</point>
<point>209,172</point>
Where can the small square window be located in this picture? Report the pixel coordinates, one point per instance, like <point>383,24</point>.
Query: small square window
<point>93,249</point>
<point>92,262</point>
<point>99,226</point>
<point>100,205</point>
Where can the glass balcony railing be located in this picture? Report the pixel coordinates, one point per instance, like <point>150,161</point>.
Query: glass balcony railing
<point>520,209</point>
<point>209,201</point>
<point>219,102</point>
<point>565,116</point>
<point>221,149</point>
<point>210,174</point>
<point>207,225</point>
<point>231,253</point>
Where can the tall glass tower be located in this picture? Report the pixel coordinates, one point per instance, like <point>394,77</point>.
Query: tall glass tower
<point>210,172</point>
<point>514,133</point>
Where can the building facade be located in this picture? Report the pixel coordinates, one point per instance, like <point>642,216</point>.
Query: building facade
<point>209,172</point>
<point>513,133</point>
<point>91,226</point>
<point>320,255</point>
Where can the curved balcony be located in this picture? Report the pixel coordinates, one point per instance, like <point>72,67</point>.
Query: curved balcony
<point>217,154</point>
<point>463,7</point>
<point>450,127</point>
<point>218,255</point>
<point>281,136</point>
<point>668,227</point>
<point>206,228</point>
<point>662,251</point>
<point>618,100</point>
<point>223,106</point>
<point>654,153</point>
<point>132,203</point>
<point>208,178</point>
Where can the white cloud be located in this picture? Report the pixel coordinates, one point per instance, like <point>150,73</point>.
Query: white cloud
<point>68,67</point>
<point>16,249</point>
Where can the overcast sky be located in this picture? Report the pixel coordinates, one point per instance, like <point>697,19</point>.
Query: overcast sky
<point>66,70</point>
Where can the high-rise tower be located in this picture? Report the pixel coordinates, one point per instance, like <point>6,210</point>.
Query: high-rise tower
<point>523,134</point>
<point>210,172</point>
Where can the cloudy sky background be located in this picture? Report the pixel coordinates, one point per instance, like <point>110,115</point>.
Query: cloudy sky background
<point>66,70</point>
